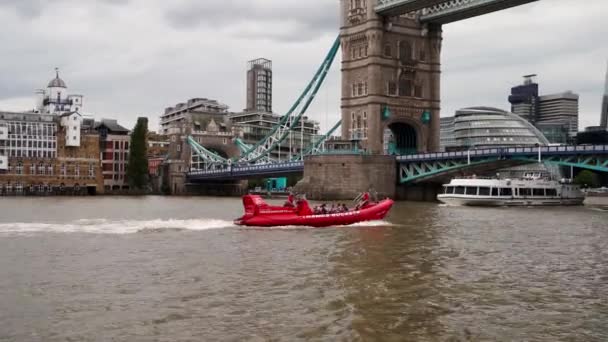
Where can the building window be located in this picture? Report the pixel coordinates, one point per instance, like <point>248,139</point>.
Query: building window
<point>91,170</point>
<point>418,91</point>
<point>63,170</point>
<point>392,88</point>
<point>405,52</point>
<point>405,87</point>
<point>19,168</point>
<point>387,51</point>
<point>179,147</point>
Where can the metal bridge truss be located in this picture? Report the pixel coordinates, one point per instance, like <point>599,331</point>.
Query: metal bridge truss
<point>317,146</point>
<point>245,147</point>
<point>288,122</point>
<point>237,172</point>
<point>242,146</point>
<point>398,7</point>
<point>455,10</point>
<point>259,153</point>
<point>204,159</point>
<point>420,167</point>
<point>594,163</point>
<point>444,11</point>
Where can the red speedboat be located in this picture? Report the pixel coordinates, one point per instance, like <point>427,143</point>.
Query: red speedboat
<point>259,214</point>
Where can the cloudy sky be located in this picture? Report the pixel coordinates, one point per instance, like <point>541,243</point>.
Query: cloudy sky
<point>133,58</point>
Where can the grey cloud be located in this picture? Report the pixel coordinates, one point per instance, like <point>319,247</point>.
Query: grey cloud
<point>31,9</point>
<point>25,8</point>
<point>139,56</point>
<point>293,20</point>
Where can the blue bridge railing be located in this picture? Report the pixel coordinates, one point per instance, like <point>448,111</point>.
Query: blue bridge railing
<point>510,151</point>
<point>241,171</point>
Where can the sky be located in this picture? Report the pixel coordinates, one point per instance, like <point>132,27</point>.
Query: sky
<point>133,58</point>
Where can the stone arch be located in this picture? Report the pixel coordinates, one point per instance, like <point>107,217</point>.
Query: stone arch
<point>404,136</point>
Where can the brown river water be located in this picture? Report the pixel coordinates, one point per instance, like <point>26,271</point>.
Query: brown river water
<point>177,269</point>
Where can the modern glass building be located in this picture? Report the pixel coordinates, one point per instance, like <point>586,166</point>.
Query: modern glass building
<point>486,127</point>
<point>446,134</point>
<point>524,99</point>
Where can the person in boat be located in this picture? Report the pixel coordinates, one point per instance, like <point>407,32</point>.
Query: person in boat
<point>289,203</point>
<point>302,207</point>
<point>363,201</point>
<point>323,208</point>
<point>344,208</point>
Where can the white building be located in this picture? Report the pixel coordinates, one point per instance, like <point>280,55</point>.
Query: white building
<point>56,100</point>
<point>72,122</point>
<point>561,108</point>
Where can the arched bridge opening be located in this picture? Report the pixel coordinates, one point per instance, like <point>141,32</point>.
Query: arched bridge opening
<point>402,139</point>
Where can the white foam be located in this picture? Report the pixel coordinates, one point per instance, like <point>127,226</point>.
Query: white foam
<point>364,224</point>
<point>104,226</point>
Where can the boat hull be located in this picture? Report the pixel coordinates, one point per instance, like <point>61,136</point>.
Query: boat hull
<point>281,219</point>
<point>508,202</point>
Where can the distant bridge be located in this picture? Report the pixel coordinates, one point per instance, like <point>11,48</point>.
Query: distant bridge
<point>429,167</point>
<point>237,172</point>
<point>438,166</point>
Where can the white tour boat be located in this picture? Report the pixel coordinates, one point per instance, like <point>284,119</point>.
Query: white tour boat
<point>528,191</point>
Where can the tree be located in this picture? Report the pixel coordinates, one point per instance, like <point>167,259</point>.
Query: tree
<point>587,178</point>
<point>137,168</point>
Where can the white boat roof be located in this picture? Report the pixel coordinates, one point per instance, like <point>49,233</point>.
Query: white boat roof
<point>502,182</point>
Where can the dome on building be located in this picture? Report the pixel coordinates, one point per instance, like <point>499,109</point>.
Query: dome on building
<point>486,127</point>
<point>57,82</point>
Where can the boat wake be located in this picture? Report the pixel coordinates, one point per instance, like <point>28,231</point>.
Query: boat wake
<point>104,226</point>
<point>365,224</point>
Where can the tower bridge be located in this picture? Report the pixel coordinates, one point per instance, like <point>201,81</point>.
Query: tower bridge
<point>390,104</point>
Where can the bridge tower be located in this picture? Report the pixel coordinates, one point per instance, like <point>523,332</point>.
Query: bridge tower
<point>390,80</point>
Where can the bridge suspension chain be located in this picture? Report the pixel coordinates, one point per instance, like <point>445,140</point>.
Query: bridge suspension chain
<point>316,147</point>
<point>260,152</point>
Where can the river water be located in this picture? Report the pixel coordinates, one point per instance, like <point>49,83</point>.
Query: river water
<point>176,269</point>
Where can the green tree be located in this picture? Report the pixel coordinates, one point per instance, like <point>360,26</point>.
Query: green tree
<point>587,178</point>
<point>137,168</point>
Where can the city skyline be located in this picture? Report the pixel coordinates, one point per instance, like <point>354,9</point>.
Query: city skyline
<point>129,59</point>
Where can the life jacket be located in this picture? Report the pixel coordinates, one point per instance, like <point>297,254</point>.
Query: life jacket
<point>303,208</point>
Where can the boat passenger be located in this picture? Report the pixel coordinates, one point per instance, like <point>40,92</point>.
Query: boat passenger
<point>363,201</point>
<point>344,208</point>
<point>323,209</point>
<point>302,207</point>
<point>289,203</point>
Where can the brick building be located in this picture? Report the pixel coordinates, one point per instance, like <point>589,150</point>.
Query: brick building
<point>48,154</point>
<point>114,145</point>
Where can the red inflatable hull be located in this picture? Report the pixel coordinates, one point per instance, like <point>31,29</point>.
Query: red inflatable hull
<point>267,216</point>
